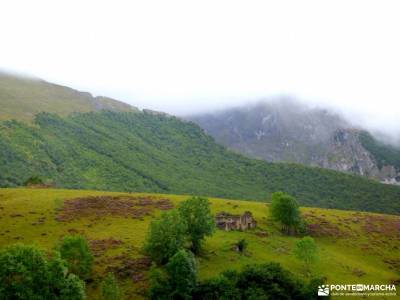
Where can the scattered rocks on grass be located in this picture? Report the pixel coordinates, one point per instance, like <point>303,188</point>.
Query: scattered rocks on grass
<point>133,268</point>
<point>99,247</point>
<point>358,272</point>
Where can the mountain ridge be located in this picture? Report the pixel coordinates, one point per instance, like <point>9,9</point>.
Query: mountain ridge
<point>23,97</point>
<point>286,130</point>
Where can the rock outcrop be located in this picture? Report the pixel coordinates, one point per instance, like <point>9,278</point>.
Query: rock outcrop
<point>287,131</point>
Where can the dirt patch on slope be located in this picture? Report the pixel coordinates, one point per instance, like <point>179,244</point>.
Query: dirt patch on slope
<point>100,206</point>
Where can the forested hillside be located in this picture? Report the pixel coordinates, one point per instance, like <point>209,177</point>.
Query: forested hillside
<point>384,154</point>
<point>146,152</point>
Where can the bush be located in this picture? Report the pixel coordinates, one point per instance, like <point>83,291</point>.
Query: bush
<point>196,213</point>
<point>242,245</point>
<point>159,285</point>
<point>182,271</point>
<point>27,273</point>
<point>75,250</point>
<point>110,289</point>
<point>266,281</point>
<point>179,279</point>
<point>219,287</point>
<point>166,237</point>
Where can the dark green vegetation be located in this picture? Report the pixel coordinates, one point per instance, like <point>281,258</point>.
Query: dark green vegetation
<point>196,214</point>
<point>384,154</point>
<point>285,210</point>
<point>22,98</point>
<point>306,250</point>
<point>144,152</point>
<point>26,273</point>
<point>179,280</point>
<point>110,288</point>
<point>166,237</point>
<point>266,281</point>
<point>75,251</point>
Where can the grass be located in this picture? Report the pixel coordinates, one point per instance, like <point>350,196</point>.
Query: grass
<point>356,248</point>
<point>21,98</point>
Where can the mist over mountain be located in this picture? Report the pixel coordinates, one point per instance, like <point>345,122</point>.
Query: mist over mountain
<point>284,129</point>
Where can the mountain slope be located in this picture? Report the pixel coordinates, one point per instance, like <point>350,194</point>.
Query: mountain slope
<point>157,153</point>
<point>355,247</point>
<point>21,98</point>
<point>285,130</point>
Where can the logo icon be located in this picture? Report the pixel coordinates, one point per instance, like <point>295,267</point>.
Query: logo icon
<point>323,290</point>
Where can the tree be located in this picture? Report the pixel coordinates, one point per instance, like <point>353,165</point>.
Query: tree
<point>159,285</point>
<point>182,274</point>
<point>110,289</point>
<point>196,213</point>
<point>27,273</point>
<point>306,250</point>
<point>264,281</point>
<point>166,237</point>
<point>285,209</point>
<point>75,250</point>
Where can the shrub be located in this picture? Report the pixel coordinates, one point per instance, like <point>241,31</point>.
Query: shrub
<point>265,281</point>
<point>182,271</point>
<point>242,245</point>
<point>159,285</point>
<point>179,279</point>
<point>75,250</point>
<point>27,273</point>
<point>110,289</point>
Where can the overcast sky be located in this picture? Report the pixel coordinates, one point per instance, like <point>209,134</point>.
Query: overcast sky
<point>188,56</point>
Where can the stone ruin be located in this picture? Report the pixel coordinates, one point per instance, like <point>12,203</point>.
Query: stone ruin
<point>228,222</point>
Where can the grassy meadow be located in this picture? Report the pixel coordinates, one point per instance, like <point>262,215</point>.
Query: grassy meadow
<point>354,247</point>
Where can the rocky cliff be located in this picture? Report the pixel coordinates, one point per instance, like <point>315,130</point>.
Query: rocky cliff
<point>285,130</point>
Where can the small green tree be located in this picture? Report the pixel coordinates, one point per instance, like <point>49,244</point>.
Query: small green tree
<point>75,250</point>
<point>182,272</point>
<point>285,209</point>
<point>27,273</point>
<point>110,289</point>
<point>166,237</point>
<point>196,213</point>
<point>306,250</point>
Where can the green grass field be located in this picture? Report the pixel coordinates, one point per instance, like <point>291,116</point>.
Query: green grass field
<point>354,247</point>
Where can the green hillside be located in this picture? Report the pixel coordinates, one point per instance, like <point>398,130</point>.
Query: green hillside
<point>384,154</point>
<point>143,152</point>
<point>354,247</point>
<point>21,98</point>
